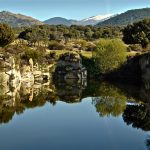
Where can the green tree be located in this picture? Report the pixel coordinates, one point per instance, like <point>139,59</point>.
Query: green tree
<point>109,55</point>
<point>35,35</point>
<point>6,35</point>
<point>138,33</point>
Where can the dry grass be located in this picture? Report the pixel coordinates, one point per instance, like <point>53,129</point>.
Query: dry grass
<point>83,53</point>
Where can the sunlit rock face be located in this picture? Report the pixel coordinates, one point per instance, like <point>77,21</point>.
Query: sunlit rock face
<point>27,73</point>
<point>10,72</point>
<point>70,66</point>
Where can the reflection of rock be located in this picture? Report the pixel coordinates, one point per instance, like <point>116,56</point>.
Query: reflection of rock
<point>16,100</point>
<point>70,66</point>
<point>70,90</point>
<point>145,93</point>
<point>145,67</point>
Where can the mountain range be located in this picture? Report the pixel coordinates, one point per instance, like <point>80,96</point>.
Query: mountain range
<point>88,21</point>
<point>128,17</point>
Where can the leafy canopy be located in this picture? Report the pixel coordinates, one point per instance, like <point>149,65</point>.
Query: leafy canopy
<point>109,55</point>
<point>138,33</point>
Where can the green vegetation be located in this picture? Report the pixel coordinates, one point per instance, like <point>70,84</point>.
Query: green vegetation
<point>138,33</point>
<point>36,55</point>
<point>6,35</point>
<point>109,55</point>
<point>101,48</point>
<point>54,45</point>
<point>61,32</point>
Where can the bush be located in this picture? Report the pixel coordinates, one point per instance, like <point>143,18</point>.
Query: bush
<point>90,46</point>
<point>109,55</point>
<point>71,57</point>
<point>79,44</point>
<point>135,47</point>
<point>6,35</point>
<point>54,45</point>
<point>34,54</point>
<point>51,56</point>
<point>15,49</point>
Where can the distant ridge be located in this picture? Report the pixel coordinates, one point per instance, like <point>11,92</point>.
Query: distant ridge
<point>126,18</point>
<point>18,20</point>
<point>58,21</point>
<point>88,21</point>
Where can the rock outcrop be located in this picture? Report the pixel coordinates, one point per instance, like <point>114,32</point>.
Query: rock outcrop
<point>12,74</point>
<point>70,66</point>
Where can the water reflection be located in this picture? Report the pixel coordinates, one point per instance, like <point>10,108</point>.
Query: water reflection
<point>129,101</point>
<point>138,116</point>
<point>148,142</point>
<point>112,101</point>
<point>108,99</point>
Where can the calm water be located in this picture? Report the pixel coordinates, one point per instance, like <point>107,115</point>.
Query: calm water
<point>79,117</point>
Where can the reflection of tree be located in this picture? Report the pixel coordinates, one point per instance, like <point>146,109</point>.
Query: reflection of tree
<point>6,115</point>
<point>138,116</point>
<point>145,93</point>
<point>111,101</point>
<point>147,142</point>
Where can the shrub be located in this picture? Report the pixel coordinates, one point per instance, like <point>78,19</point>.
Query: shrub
<point>15,49</point>
<point>54,45</point>
<point>71,57</point>
<point>90,46</point>
<point>135,47</point>
<point>51,56</point>
<point>34,54</point>
<point>80,44</point>
<point>6,35</point>
<point>109,55</point>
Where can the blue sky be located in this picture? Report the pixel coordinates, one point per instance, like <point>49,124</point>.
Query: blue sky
<point>71,9</point>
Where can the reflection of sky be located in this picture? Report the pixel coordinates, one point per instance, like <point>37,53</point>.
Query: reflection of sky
<point>69,127</point>
<point>74,9</point>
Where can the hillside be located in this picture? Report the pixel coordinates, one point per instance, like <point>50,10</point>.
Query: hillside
<point>126,18</point>
<point>58,21</point>
<point>17,20</point>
